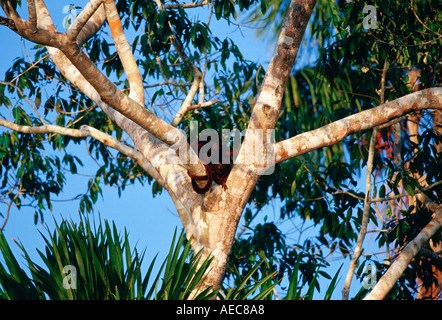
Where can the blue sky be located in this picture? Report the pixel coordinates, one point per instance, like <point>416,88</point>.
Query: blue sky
<point>149,221</point>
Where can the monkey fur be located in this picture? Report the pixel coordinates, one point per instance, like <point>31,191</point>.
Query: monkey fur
<point>215,172</point>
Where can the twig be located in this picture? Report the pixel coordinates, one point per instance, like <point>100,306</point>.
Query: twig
<point>173,83</point>
<point>420,21</point>
<point>365,217</point>
<point>197,78</point>
<point>202,105</point>
<point>206,62</point>
<point>338,191</point>
<point>24,98</point>
<point>401,195</point>
<point>9,206</point>
<point>167,81</point>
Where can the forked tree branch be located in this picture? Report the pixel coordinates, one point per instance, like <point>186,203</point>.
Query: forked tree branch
<point>108,92</point>
<point>80,21</point>
<point>173,178</point>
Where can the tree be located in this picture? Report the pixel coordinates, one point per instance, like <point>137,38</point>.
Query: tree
<point>130,116</point>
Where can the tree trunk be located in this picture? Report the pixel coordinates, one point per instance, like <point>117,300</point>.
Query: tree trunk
<point>221,209</point>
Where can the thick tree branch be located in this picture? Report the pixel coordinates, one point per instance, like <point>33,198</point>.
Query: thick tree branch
<point>365,120</point>
<point>28,29</point>
<point>268,102</point>
<point>32,13</point>
<point>125,53</point>
<point>92,26</point>
<point>117,100</point>
<point>80,21</point>
<point>398,267</point>
<point>44,20</point>
<point>266,110</point>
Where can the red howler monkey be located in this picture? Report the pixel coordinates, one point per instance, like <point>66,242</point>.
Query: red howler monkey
<point>212,159</point>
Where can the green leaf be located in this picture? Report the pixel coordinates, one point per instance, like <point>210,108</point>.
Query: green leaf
<point>382,191</point>
<point>409,188</point>
<point>311,288</point>
<point>292,291</point>
<point>332,285</point>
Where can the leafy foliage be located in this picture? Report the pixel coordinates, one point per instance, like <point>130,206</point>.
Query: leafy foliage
<point>320,189</point>
<point>106,268</point>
